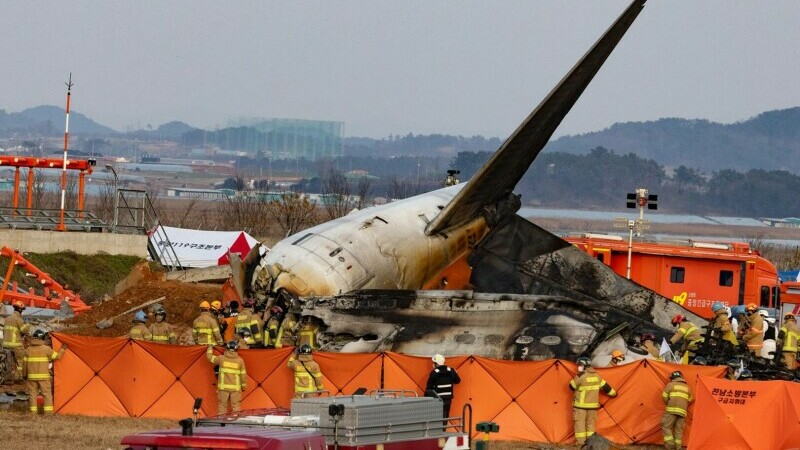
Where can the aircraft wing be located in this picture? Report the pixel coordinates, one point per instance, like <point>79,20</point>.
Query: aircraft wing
<point>498,177</point>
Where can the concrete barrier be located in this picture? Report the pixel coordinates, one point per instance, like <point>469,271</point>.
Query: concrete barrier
<point>35,241</point>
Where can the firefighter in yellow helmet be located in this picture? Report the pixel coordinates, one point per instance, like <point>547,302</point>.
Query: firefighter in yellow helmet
<point>205,328</point>
<point>307,375</point>
<point>617,357</point>
<point>754,335</point>
<point>14,327</point>
<point>36,369</point>
<point>272,326</point>
<point>140,331</point>
<point>232,378</point>
<point>163,332</point>
<point>287,333</point>
<point>689,333</point>
<point>586,399</point>
<point>677,396</point>
<point>787,340</point>
<point>247,320</point>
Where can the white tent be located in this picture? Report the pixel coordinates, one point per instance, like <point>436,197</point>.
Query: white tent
<point>197,248</point>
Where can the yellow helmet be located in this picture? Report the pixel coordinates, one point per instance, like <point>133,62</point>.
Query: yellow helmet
<point>205,305</point>
<point>216,305</point>
<point>617,354</point>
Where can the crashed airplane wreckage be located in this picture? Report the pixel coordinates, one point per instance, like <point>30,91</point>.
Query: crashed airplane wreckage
<point>456,271</point>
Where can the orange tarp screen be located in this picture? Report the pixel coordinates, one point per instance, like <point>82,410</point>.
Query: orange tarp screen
<point>530,400</point>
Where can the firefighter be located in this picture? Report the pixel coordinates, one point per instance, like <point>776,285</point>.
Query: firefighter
<point>242,338</point>
<point>13,330</point>
<point>617,357</point>
<point>721,325</point>
<point>163,332</point>
<point>733,367</point>
<point>232,377</point>
<point>36,369</point>
<point>272,327</point>
<point>677,396</point>
<point>441,380</point>
<point>307,375</point>
<point>287,332</point>
<point>247,319</point>
<point>307,333</point>
<point>787,340</point>
<point>690,335</point>
<point>139,331</point>
<point>647,343</point>
<point>586,398</point>
<point>754,336</point>
<point>205,328</point>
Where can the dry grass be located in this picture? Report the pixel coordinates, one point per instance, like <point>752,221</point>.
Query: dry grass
<point>25,432</point>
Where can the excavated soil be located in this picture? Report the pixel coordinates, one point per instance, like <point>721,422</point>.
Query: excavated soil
<point>143,285</point>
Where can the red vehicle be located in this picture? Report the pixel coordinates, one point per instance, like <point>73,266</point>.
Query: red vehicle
<point>693,274</point>
<point>379,421</point>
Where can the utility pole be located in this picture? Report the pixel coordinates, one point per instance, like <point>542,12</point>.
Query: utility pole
<point>61,226</point>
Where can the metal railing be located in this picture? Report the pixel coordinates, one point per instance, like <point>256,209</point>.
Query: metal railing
<point>48,219</point>
<point>135,213</point>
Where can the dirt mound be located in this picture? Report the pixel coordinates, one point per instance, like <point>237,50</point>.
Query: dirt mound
<point>181,304</point>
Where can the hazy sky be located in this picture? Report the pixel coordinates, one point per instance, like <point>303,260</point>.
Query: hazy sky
<point>456,67</point>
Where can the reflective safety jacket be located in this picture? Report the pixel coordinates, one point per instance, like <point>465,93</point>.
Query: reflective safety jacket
<point>286,333</point>
<point>653,350</point>
<point>755,334</point>
<point>441,380</point>
<point>307,375</point>
<point>205,330</point>
<point>789,335</point>
<point>723,326</point>
<point>36,362</point>
<point>587,389</point>
<point>307,335</point>
<point>247,320</point>
<point>13,329</point>
<point>140,332</point>
<point>232,372</point>
<point>271,331</point>
<point>677,396</point>
<point>163,333</point>
<point>689,333</point>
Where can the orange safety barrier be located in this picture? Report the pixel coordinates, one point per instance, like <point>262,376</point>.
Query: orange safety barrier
<point>530,400</point>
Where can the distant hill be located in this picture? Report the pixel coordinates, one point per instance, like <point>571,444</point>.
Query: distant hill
<point>170,131</point>
<point>49,121</point>
<point>769,141</point>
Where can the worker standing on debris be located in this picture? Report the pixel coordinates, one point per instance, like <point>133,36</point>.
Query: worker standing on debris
<point>617,357</point>
<point>787,341</point>
<point>754,336</point>
<point>441,381</point>
<point>139,331</point>
<point>227,321</point>
<point>677,396</point>
<point>721,325</point>
<point>307,333</point>
<point>14,327</point>
<point>307,374</point>
<point>272,327</point>
<point>162,332</point>
<point>205,328</point>
<point>232,378</point>
<point>248,320</point>
<point>287,332</point>
<point>690,335</point>
<point>586,398</point>
<point>648,343</point>
<point>36,369</point>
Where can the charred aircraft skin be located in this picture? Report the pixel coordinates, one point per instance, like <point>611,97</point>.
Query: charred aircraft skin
<point>532,295</point>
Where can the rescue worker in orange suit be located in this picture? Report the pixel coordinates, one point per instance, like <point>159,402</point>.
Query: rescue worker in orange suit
<point>36,369</point>
<point>307,375</point>
<point>754,335</point>
<point>232,378</point>
<point>687,332</point>
<point>163,332</point>
<point>247,320</point>
<point>442,380</point>
<point>272,327</point>
<point>14,327</point>
<point>787,340</point>
<point>586,398</point>
<point>139,331</point>
<point>205,328</point>
<point>721,325</point>
<point>677,396</point>
<point>617,357</point>
<point>228,320</point>
<point>287,332</point>
<point>647,342</point>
